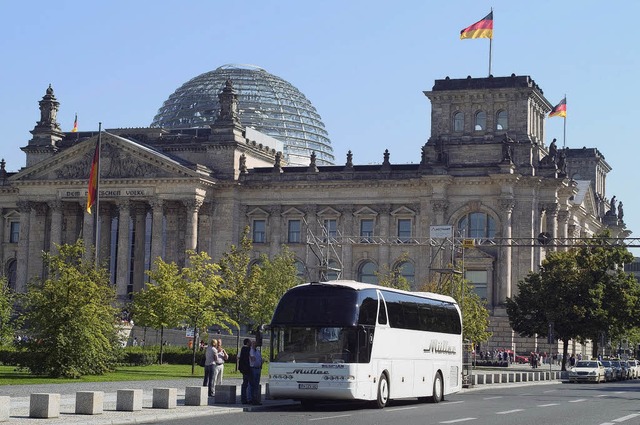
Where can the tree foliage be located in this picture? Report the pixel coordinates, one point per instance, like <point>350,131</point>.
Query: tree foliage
<point>390,277</point>
<point>274,278</point>
<point>161,303</point>
<point>70,317</point>
<point>7,326</point>
<point>475,316</point>
<point>583,293</point>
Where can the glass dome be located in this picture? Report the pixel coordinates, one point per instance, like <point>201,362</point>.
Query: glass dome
<point>267,103</point>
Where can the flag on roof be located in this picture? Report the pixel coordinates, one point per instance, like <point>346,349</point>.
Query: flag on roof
<point>481,29</point>
<point>560,110</point>
<point>75,125</point>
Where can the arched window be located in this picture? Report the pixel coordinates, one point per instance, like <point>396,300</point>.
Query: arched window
<point>477,225</point>
<point>501,120</point>
<point>12,266</point>
<point>458,122</point>
<point>407,270</point>
<point>367,273</point>
<point>481,121</point>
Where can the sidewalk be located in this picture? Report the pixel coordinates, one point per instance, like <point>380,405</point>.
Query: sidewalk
<point>20,400</point>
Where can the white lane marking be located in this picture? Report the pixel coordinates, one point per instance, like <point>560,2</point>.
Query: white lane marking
<point>607,423</point>
<point>506,412</point>
<point>601,395</point>
<point>549,391</point>
<point>395,409</point>
<point>453,421</point>
<point>548,405</point>
<point>492,398</point>
<point>578,400</point>
<point>525,394</point>
<point>453,402</point>
<point>329,417</point>
<point>626,418</point>
<point>619,392</point>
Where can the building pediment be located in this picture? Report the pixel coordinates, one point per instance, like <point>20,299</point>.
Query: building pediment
<point>120,158</point>
<point>328,212</point>
<point>293,211</point>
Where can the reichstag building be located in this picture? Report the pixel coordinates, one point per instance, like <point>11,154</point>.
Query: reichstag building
<point>239,147</point>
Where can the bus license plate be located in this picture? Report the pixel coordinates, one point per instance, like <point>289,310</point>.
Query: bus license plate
<point>308,386</point>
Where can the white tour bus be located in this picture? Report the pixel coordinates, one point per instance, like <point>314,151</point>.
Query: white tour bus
<point>345,340</point>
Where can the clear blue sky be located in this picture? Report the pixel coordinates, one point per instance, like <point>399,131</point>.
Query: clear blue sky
<point>363,64</point>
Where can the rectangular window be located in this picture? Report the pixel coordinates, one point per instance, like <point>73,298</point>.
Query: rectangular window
<point>366,230</point>
<point>330,229</point>
<point>259,231</point>
<point>479,279</point>
<point>14,236</point>
<point>404,229</point>
<point>294,227</point>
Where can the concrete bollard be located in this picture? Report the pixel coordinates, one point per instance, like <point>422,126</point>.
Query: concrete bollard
<point>480,378</point>
<point>488,378</point>
<point>44,405</point>
<point>196,396</point>
<point>129,400</point>
<point>504,378</point>
<point>5,407</point>
<point>519,377</point>
<point>89,402</point>
<point>225,394</point>
<point>165,398</point>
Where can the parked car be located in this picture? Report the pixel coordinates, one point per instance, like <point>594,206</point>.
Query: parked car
<point>587,371</point>
<point>621,371</point>
<point>610,374</point>
<point>628,371</point>
<point>635,368</point>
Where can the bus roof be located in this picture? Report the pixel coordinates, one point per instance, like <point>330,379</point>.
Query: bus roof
<point>358,286</point>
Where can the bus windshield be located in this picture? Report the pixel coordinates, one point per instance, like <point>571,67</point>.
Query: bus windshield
<point>319,344</point>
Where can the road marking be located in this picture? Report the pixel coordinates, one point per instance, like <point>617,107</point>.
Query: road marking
<point>492,398</point>
<point>454,402</point>
<point>506,412</point>
<point>626,418</point>
<point>549,391</point>
<point>329,417</point>
<point>619,392</point>
<point>453,421</point>
<point>601,395</point>
<point>548,405</point>
<point>607,423</point>
<point>578,400</point>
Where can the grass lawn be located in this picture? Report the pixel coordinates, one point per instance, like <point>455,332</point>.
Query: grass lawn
<point>9,375</point>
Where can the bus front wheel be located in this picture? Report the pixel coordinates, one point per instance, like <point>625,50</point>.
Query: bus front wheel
<point>383,392</point>
<point>438,389</point>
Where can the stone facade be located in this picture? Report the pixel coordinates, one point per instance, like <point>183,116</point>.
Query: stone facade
<point>485,171</point>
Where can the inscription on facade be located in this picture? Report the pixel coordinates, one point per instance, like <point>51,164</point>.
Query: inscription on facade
<point>108,193</point>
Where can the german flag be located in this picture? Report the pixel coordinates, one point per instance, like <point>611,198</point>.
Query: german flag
<point>481,29</point>
<point>560,110</point>
<point>75,125</point>
<point>93,179</point>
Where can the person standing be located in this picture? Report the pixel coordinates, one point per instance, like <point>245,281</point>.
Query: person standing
<point>255,362</point>
<point>245,369</point>
<point>210,356</point>
<point>221,357</point>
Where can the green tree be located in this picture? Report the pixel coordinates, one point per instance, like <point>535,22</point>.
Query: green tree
<point>7,326</point>
<point>160,304</point>
<point>475,316</point>
<point>241,280</point>
<point>70,317</point>
<point>274,277</point>
<point>204,296</point>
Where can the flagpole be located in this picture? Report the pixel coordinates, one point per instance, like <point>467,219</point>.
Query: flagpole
<point>490,46</point>
<point>96,225</point>
<point>564,130</point>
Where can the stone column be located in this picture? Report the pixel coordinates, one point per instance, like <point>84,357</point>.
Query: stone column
<point>36,239</point>
<point>140,226</point>
<point>563,227</point>
<point>124,245</point>
<point>106,213</point>
<point>157,227</point>
<point>23,246</point>
<point>191,229</point>
<point>504,290</point>
<point>348,231</point>
<point>56,225</point>
<point>88,232</point>
<point>552,220</point>
<point>384,224</point>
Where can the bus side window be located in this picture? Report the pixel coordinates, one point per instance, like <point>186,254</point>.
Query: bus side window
<point>368,309</point>
<point>382,313</point>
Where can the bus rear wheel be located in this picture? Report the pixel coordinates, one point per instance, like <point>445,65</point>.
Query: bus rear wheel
<point>383,392</point>
<point>438,389</point>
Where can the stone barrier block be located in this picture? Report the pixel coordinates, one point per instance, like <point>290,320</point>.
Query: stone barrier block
<point>196,396</point>
<point>488,378</point>
<point>480,378</point>
<point>225,394</point>
<point>165,398</point>
<point>523,377</point>
<point>89,402</point>
<point>5,406</point>
<point>504,378</point>
<point>512,377</point>
<point>129,400</point>
<point>44,405</point>
<point>497,378</point>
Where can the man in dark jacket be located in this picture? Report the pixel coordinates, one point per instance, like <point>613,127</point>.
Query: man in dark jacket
<point>243,367</point>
